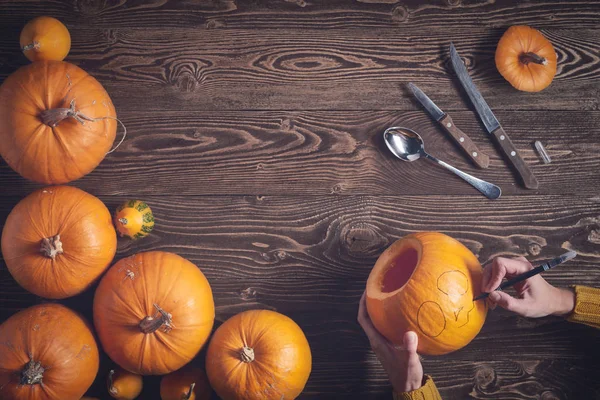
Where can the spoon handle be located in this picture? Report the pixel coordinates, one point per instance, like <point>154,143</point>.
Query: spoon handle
<point>489,190</point>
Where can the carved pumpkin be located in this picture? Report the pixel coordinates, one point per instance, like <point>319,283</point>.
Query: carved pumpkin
<point>188,383</point>
<point>57,122</point>
<point>57,241</point>
<point>134,219</point>
<point>153,312</point>
<point>124,385</point>
<point>425,282</point>
<point>258,355</point>
<point>526,59</point>
<point>47,353</point>
<point>45,38</point>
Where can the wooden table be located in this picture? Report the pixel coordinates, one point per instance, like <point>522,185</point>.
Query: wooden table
<point>254,132</point>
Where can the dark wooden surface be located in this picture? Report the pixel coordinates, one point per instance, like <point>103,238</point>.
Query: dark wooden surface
<point>255,135</point>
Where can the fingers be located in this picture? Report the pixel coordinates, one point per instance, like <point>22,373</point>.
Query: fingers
<point>414,369</point>
<point>502,267</point>
<point>508,302</point>
<point>375,338</point>
<point>411,342</point>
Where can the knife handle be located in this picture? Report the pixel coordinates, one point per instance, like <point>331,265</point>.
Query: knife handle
<point>513,156</point>
<point>480,159</point>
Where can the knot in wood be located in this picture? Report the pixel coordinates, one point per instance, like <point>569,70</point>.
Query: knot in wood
<point>362,239</point>
<point>486,379</point>
<point>550,395</point>
<point>454,3</point>
<point>90,7</point>
<point>400,14</point>
<point>534,249</point>
<point>248,294</point>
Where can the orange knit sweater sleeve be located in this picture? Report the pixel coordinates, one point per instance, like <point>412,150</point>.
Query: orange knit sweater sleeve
<point>426,392</point>
<point>587,306</point>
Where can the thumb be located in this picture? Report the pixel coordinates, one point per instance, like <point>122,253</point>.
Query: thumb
<point>410,342</point>
<point>508,302</point>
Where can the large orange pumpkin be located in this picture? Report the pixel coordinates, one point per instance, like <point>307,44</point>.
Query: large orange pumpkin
<point>526,59</point>
<point>57,241</point>
<point>258,355</point>
<point>47,352</point>
<point>45,38</point>
<point>425,283</point>
<point>153,312</point>
<point>57,122</point>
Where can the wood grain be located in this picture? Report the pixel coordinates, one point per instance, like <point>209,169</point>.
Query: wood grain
<point>254,133</point>
<point>313,14</point>
<point>309,257</point>
<point>224,69</point>
<point>340,153</point>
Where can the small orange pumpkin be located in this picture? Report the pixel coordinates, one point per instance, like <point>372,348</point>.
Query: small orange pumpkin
<point>134,219</point>
<point>45,38</point>
<point>188,383</point>
<point>58,122</point>
<point>153,312</point>
<point>124,385</point>
<point>57,241</point>
<point>47,352</point>
<point>258,355</point>
<point>526,59</point>
<point>425,282</point>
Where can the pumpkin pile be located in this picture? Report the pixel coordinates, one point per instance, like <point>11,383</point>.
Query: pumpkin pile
<point>154,311</point>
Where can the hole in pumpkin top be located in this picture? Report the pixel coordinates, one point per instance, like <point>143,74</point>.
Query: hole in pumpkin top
<point>401,271</point>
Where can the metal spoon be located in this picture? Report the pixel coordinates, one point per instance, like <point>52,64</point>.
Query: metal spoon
<point>407,145</point>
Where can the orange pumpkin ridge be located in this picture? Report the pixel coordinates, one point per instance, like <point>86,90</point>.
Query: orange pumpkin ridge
<point>47,352</point>
<point>188,383</point>
<point>526,59</point>
<point>124,385</point>
<point>426,282</point>
<point>45,38</point>
<point>153,312</point>
<point>63,126</point>
<point>66,243</point>
<point>258,355</point>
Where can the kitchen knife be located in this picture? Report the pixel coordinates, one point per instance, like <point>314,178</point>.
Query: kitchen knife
<point>480,159</point>
<point>491,123</point>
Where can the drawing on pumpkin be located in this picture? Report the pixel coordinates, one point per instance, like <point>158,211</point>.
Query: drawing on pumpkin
<point>453,284</point>
<point>431,308</point>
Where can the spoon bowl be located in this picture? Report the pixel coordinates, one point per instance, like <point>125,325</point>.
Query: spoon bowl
<point>408,145</point>
<point>404,143</point>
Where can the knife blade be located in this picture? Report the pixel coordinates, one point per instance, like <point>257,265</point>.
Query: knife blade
<point>491,123</point>
<point>480,159</point>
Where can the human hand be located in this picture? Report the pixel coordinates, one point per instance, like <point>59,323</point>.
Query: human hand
<point>536,297</point>
<point>402,364</point>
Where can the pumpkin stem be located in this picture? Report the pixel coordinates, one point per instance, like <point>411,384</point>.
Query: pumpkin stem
<point>33,373</point>
<point>31,46</point>
<point>51,246</point>
<point>526,58</point>
<point>190,392</point>
<point>247,354</point>
<point>111,388</point>
<point>123,221</point>
<point>54,116</point>
<point>162,320</point>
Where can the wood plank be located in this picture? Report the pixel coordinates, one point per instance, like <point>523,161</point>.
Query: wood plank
<point>341,153</point>
<point>223,69</point>
<point>309,257</point>
<point>308,14</point>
